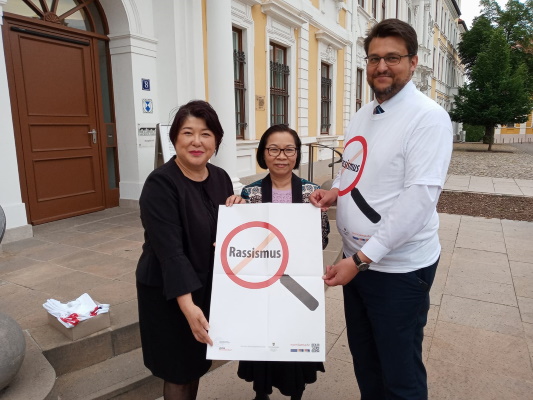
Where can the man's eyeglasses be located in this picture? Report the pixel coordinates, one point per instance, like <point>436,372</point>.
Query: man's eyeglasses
<point>275,151</point>
<point>389,60</point>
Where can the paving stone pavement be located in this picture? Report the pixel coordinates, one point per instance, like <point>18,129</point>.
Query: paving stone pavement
<point>478,342</point>
<point>479,337</point>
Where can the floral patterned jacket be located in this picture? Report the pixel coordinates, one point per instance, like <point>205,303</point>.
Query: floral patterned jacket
<point>261,192</point>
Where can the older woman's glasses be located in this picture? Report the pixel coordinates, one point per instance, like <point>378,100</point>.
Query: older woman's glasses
<point>275,151</point>
<point>389,60</point>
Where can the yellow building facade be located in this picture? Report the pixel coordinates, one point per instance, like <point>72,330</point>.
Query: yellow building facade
<point>258,62</point>
<point>515,133</point>
<point>291,68</point>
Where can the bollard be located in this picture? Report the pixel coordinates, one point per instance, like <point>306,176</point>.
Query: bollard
<point>12,349</point>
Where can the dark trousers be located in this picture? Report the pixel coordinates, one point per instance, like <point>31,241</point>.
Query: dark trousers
<point>385,318</point>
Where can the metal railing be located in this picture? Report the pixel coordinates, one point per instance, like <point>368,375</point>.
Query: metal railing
<point>310,166</point>
<point>518,140</point>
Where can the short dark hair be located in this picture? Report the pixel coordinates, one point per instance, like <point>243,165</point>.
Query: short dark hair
<point>394,27</point>
<point>198,109</point>
<point>260,156</point>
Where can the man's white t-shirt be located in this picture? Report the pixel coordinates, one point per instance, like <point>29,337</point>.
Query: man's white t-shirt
<point>409,145</point>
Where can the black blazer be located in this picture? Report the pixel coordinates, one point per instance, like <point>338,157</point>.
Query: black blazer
<point>179,220</point>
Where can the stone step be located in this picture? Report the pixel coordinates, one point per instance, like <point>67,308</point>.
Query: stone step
<point>120,377</point>
<point>67,356</point>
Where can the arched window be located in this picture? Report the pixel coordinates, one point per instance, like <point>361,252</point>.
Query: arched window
<point>77,14</point>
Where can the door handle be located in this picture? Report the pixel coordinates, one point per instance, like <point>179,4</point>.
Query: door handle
<point>93,132</point>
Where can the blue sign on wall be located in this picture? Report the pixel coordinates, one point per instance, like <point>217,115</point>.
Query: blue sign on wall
<point>148,106</point>
<point>146,84</point>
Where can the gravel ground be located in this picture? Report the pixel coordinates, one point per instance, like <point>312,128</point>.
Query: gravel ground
<point>504,161</point>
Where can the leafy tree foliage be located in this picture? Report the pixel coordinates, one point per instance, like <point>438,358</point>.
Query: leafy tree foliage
<point>498,55</point>
<point>474,41</point>
<point>516,20</point>
<point>495,94</point>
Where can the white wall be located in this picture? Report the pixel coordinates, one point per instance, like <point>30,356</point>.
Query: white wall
<point>10,195</point>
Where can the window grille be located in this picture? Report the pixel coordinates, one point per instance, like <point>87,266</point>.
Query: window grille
<point>279,85</point>
<point>325,103</point>
<point>239,61</point>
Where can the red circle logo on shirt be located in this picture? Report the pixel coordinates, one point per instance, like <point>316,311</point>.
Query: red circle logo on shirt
<point>353,163</point>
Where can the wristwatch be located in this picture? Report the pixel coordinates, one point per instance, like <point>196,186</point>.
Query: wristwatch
<point>361,265</point>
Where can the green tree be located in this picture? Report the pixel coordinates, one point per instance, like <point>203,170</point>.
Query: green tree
<point>516,20</point>
<point>474,41</point>
<point>496,93</point>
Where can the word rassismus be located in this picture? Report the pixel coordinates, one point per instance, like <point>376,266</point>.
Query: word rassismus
<point>350,166</point>
<point>253,253</point>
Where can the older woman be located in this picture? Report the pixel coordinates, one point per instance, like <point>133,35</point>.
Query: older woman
<point>179,204</point>
<point>279,152</point>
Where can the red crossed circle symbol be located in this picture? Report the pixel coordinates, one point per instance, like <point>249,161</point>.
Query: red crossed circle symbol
<point>242,282</point>
<point>361,140</point>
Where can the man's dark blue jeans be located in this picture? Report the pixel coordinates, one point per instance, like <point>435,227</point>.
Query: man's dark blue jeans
<point>385,318</point>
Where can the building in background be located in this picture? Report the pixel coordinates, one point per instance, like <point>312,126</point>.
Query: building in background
<point>515,133</point>
<point>84,83</point>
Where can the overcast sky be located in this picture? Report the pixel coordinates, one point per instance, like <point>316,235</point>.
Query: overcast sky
<point>470,10</point>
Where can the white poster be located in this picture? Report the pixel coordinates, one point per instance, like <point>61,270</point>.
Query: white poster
<point>268,294</point>
<point>167,148</point>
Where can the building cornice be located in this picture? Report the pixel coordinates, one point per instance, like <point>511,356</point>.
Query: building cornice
<point>283,13</point>
<point>330,39</point>
<point>454,2</point>
<point>250,3</point>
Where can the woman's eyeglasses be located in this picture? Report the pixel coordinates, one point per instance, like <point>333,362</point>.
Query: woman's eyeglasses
<point>275,151</point>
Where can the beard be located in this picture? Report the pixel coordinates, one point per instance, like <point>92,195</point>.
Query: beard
<point>389,91</point>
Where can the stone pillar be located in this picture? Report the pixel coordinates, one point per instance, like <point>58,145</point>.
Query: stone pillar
<point>133,57</point>
<point>220,83</point>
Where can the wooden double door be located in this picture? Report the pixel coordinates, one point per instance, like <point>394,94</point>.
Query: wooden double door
<point>54,90</point>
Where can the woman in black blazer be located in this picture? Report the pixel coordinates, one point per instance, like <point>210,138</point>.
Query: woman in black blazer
<point>179,206</point>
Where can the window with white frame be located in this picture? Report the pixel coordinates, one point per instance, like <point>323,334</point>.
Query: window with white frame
<point>359,90</point>
<point>239,61</point>
<point>325,101</point>
<point>279,85</point>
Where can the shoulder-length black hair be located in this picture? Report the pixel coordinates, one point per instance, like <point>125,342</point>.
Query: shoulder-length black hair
<point>198,109</point>
<point>260,156</point>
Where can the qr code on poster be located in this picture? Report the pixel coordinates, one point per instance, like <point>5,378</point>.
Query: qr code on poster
<point>315,347</point>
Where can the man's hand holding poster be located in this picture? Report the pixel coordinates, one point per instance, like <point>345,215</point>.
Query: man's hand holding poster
<point>267,301</point>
